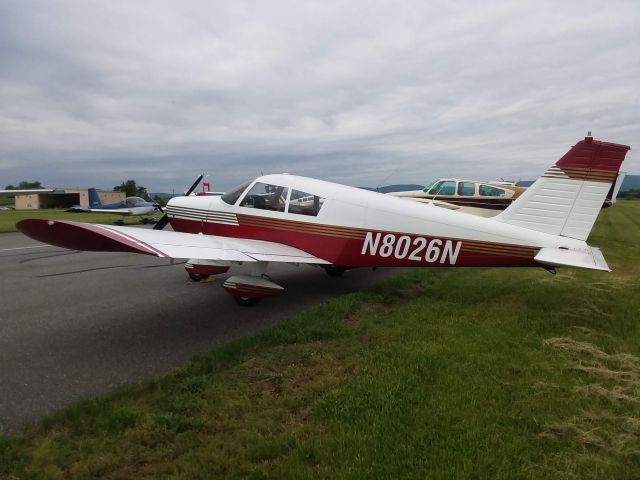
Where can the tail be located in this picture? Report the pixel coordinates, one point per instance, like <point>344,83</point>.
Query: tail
<point>567,199</point>
<point>94,198</point>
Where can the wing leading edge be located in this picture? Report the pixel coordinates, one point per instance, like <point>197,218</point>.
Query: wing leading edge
<point>106,238</point>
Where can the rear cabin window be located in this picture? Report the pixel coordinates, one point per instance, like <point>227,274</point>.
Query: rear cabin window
<point>466,189</point>
<point>443,188</point>
<point>489,191</point>
<point>266,197</point>
<point>232,196</point>
<point>303,203</point>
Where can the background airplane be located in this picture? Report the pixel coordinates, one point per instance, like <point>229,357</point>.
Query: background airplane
<point>486,199</point>
<point>130,206</point>
<point>298,220</point>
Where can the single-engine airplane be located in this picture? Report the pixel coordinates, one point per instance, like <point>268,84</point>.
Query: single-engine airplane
<point>485,199</point>
<point>299,220</point>
<point>130,206</point>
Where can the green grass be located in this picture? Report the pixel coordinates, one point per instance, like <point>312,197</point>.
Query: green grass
<point>9,218</point>
<point>438,373</point>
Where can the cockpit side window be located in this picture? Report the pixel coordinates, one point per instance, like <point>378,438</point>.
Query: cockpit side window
<point>266,197</point>
<point>466,189</point>
<point>489,191</point>
<point>231,197</point>
<point>303,203</point>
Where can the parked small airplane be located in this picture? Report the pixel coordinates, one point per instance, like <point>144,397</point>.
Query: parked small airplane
<point>485,199</point>
<point>130,206</point>
<point>297,220</point>
<point>470,196</point>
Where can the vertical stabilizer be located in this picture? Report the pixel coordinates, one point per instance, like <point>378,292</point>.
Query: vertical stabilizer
<point>94,198</point>
<point>567,199</point>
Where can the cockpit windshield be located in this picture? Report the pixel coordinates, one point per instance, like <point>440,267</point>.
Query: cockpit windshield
<point>231,197</point>
<point>133,201</point>
<point>428,186</point>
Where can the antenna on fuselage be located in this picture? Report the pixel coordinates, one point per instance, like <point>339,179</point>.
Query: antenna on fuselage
<point>385,179</point>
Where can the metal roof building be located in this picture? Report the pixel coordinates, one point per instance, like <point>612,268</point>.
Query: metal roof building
<point>63,198</point>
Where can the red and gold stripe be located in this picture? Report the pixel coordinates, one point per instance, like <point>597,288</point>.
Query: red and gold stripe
<point>302,227</point>
<point>578,173</point>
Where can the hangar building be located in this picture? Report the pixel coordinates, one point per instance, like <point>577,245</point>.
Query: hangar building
<point>63,198</point>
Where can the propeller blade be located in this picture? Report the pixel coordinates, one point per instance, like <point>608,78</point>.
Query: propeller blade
<point>161,223</point>
<point>195,184</point>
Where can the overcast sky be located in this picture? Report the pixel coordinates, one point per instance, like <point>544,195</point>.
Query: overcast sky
<point>360,92</point>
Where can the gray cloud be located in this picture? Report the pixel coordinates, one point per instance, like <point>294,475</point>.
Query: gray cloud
<point>357,92</point>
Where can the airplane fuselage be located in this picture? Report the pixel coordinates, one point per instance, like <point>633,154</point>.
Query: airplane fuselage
<point>359,228</point>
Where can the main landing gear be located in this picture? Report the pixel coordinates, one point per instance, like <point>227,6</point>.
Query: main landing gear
<point>247,290</point>
<point>200,270</point>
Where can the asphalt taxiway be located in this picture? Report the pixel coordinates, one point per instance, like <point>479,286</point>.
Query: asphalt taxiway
<point>77,324</point>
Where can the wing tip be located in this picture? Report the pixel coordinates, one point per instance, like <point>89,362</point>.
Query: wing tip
<point>81,236</point>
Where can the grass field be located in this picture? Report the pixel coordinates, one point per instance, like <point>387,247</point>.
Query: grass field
<point>438,373</point>
<point>9,218</point>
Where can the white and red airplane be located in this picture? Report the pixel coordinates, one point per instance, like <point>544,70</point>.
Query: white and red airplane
<point>299,220</point>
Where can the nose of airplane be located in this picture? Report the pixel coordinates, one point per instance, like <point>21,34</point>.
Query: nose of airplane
<point>164,220</point>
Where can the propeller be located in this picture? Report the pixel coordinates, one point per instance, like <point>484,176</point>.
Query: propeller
<point>165,219</point>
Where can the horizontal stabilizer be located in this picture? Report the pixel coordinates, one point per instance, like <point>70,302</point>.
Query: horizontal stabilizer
<point>590,258</point>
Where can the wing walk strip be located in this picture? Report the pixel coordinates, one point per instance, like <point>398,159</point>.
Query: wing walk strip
<point>578,173</point>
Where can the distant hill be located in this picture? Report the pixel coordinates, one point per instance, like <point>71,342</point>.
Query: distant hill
<point>524,183</point>
<point>395,188</point>
<point>164,196</point>
<point>630,182</point>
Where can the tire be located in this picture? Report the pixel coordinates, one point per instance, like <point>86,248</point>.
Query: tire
<point>334,271</point>
<point>195,277</point>
<point>247,301</point>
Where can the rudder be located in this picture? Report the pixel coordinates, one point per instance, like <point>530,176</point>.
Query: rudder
<point>94,198</point>
<point>567,199</point>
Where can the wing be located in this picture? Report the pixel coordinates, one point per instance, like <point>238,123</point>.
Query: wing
<point>123,211</point>
<point>107,238</point>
